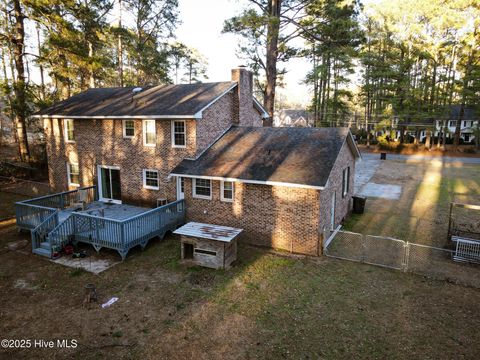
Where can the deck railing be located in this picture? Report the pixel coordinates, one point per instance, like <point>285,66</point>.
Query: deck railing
<point>120,235</point>
<point>144,226</point>
<point>62,234</point>
<point>30,216</point>
<point>31,213</point>
<point>40,233</point>
<point>64,199</point>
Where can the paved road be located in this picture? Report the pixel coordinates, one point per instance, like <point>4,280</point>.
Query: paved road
<point>420,158</point>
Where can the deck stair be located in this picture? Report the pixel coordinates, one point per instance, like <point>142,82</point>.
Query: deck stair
<point>51,228</point>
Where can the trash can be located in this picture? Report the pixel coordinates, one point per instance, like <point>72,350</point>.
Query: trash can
<point>359,204</point>
<point>383,156</point>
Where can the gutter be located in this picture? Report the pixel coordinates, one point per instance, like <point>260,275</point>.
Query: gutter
<point>117,117</point>
<point>256,182</point>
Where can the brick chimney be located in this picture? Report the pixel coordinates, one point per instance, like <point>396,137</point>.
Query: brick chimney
<point>244,78</point>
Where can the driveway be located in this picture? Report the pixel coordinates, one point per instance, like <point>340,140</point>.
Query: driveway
<point>445,159</point>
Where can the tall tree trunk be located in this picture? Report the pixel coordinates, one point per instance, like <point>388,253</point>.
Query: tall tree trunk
<point>444,137</point>
<point>9,93</point>
<point>42,76</point>
<point>91,75</point>
<point>428,133</point>
<point>273,29</point>
<point>315,85</point>
<point>9,43</point>
<point>20,104</point>
<point>466,77</point>
<point>120,45</point>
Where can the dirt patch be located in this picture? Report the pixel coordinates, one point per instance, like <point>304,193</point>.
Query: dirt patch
<point>24,285</point>
<point>7,207</point>
<point>266,306</point>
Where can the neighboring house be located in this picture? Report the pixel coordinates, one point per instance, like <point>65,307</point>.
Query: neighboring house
<point>468,123</point>
<point>203,143</point>
<point>292,118</point>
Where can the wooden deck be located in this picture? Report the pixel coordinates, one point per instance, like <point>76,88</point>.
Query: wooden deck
<point>57,220</point>
<point>106,210</point>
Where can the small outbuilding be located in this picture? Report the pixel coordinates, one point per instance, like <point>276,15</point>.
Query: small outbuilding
<point>208,245</point>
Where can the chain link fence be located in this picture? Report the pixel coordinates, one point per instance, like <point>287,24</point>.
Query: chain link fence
<point>401,255</point>
<point>24,187</point>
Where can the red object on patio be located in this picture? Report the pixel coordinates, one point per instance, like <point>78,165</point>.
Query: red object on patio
<point>68,250</point>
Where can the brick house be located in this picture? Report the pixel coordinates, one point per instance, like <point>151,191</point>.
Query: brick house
<point>204,143</point>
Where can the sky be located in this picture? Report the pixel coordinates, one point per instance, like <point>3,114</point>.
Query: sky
<point>201,28</point>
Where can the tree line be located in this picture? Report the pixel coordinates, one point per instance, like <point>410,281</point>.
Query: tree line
<point>409,60</point>
<point>81,44</point>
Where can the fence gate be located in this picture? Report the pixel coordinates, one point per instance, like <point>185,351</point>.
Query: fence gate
<point>375,250</point>
<point>400,255</point>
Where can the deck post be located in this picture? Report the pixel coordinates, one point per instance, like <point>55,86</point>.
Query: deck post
<point>449,222</point>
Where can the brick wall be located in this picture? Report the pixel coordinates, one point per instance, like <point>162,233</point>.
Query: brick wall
<point>247,116</point>
<point>281,217</point>
<point>101,142</point>
<point>273,216</point>
<point>343,206</point>
<point>216,119</point>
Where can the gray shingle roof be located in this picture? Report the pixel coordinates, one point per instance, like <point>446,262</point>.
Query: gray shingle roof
<point>469,113</point>
<point>303,156</point>
<point>162,100</point>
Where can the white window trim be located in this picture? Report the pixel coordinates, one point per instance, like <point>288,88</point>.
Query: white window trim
<point>222,198</point>
<point>69,173</point>
<point>150,187</point>
<point>194,190</point>
<point>65,130</point>
<point>125,136</point>
<point>173,134</point>
<point>144,133</point>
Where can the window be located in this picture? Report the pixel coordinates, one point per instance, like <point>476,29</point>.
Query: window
<point>202,189</point>
<point>69,130</point>
<point>226,190</point>
<point>464,123</point>
<point>346,181</point>
<point>452,123</point>
<point>128,128</point>
<point>73,173</point>
<point>150,179</point>
<point>179,138</point>
<point>149,133</point>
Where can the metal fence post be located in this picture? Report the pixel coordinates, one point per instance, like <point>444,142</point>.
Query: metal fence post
<point>364,248</point>
<point>406,255</point>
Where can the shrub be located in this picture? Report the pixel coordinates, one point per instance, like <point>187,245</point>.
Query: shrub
<point>384,144</point>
